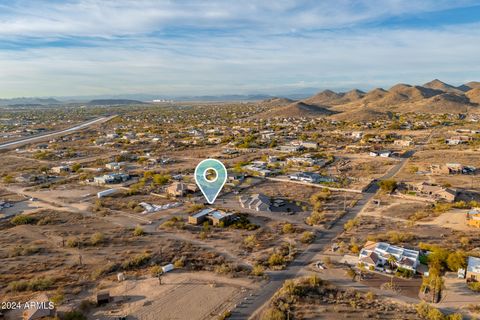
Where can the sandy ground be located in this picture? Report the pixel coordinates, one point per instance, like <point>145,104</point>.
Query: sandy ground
<point>193,296</point>
<point>456,294</point>
<point>400,209</point>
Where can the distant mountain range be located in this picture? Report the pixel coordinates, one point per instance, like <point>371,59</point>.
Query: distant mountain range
<point>29,101</point>
<point>432,97</point>
<point>139,99</point>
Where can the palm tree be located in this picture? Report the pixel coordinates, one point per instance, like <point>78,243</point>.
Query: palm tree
<point>392,261</point>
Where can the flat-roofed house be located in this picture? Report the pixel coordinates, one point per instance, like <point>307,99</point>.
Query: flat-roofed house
<point>199,217</point>
<point>214,216</point>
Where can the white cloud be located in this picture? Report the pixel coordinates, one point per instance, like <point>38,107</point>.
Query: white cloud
<point>277,46</point>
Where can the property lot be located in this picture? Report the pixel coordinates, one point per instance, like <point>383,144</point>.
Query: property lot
<point>182,295</point>
<point>405,287</point>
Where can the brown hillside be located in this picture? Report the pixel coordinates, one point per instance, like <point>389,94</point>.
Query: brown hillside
<point>434,97</point>
<point>474,95</point>
<point>440,85</point>
<point>276,102</point>
<point>297,110</point>
<point>375,95</point>
<point>473,84</point>
<point>325,97</point>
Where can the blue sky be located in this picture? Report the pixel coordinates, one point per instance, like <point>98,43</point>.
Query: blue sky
<point>111,47</point>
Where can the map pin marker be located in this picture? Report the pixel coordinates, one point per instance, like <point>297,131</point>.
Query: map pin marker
<point>210,186</point>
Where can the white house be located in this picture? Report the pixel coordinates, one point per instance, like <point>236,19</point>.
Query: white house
<point>376,255</point>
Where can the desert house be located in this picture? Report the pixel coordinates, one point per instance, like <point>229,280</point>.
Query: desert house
<point>180,189</point>
<point>311,177</point>
<point>215,217</point>
<point>433,191</point>
<point>451,168</point>
<point>376,255</point>
<point>257,202</point>
<point>111,178</point>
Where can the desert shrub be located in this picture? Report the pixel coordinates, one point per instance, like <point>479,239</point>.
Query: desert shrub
<point>58,297</point>
<point>37,284</point>
<point>73,242</point>
<point>258,270</point>
<point>160,180</point>
<point>307,237</point>
<point>474,286</point>
<point>8,179</point>
<point>350,224</point>
<point>179,263</point>
<point>22,219</point>
<point>18,286</point>
<point>44,221</point>
<point>40,284</point>
<point>97,238</point>
<point>288,228</point>
<point>136,261</point>
<point>276,259</point>
<point>243,223</point>
<point>273,314</point>
<point>138,231</point>
<point>315,218</point>
<point>174,222</point>
<point>370,296</point>
<point>225,315</point>
<point>223,269</point>
<point>74,315</point>
<point>156,270</point>
<point>23,250</point>
<point>103,270</point>
<point>250,241</point>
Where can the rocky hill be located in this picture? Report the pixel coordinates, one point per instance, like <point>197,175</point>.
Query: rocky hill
<point>432,97</point>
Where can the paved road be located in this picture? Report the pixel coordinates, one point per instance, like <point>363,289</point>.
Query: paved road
<point>17,143</point>
<point>252,304</point>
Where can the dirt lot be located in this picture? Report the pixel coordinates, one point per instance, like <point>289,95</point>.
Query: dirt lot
<point>182,295</point>
<point>65,254</point>
<point>393,208</point>
<point>405,287</point>
<point>456,293</point>
<point>403,210</point>
<point>422,160</point>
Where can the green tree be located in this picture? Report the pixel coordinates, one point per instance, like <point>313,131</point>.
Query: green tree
<point>387,186</point>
